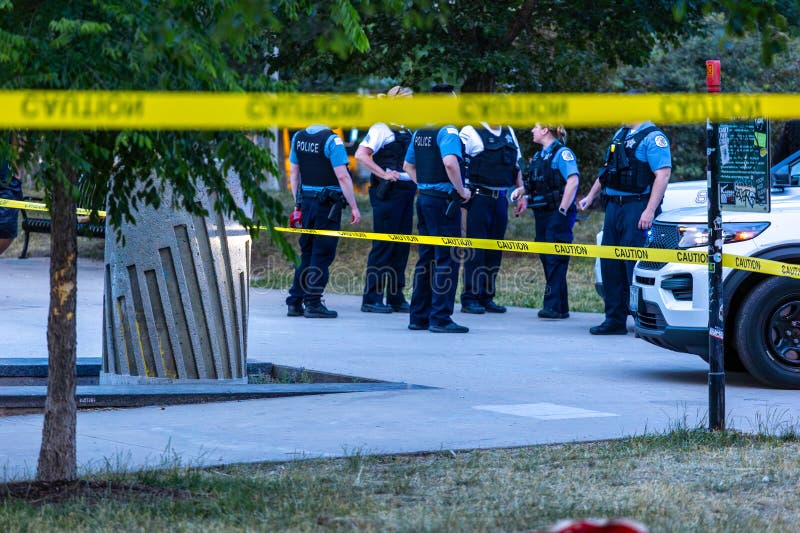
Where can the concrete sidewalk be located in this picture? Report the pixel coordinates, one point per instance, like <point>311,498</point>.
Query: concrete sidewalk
<point>513,380</point>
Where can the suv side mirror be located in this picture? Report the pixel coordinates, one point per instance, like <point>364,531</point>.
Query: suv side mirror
<point>787,172</point>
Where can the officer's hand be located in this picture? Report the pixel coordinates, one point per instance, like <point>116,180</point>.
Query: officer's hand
<point>585,202</point>
<point>392,175</point>
<point>522,205</point>
<point>516,193</point>
<point>646,220</point>
<point>465,194</point>
<point>355,216</point>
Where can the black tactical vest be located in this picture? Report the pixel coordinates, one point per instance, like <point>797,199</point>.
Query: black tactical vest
<point>547,181</point>
<point>430,168</point>
<point>392,155</point>
<point>496,166</point>
<point>622,170</point>
<point>315,169</point>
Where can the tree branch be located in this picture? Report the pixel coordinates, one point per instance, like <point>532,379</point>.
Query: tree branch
<point>519,22</point>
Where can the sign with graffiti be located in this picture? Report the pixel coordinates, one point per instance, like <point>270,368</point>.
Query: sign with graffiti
<point>744,181</point>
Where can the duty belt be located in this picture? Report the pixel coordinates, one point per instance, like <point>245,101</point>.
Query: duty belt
<point>319,194</point>
<point>493,193</point>
<point>620,199</point>
<point>434,192</point>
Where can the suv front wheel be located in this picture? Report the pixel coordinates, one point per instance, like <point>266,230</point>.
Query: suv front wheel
<point>768,332</point>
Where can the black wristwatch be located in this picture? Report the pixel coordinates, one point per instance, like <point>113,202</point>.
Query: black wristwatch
<point>563,211</point>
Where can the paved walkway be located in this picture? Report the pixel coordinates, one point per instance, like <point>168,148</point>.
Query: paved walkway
<point>513,380</point>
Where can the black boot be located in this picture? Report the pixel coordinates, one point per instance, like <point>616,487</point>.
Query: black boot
<point>609,328</point>
<point>319,311</point>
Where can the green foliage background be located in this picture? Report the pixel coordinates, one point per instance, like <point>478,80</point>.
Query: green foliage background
<point>680,67</point>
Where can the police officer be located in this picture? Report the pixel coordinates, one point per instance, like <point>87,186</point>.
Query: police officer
<point>633,180</point>
<point>493,154</point>
<point>391,194</point>
<point>434,161</point>
<point>553,182</point>
<point>10,189</point>
<point>321,184</point>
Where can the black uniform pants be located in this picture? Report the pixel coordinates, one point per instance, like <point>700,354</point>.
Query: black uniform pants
<point>316,254</point>
<point>552,226</point>
<point>487,218</point>
<point>386,264</point>
<point>436,272</point>
<point>620,228</point>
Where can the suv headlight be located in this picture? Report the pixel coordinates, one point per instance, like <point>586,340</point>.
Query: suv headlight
<point>694,236</point>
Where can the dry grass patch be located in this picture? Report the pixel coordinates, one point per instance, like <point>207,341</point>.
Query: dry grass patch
<point>687,480</point>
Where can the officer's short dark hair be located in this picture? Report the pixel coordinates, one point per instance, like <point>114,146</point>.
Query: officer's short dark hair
<point>443,88</point>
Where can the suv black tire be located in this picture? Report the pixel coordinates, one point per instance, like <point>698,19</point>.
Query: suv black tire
<point>768,332</point>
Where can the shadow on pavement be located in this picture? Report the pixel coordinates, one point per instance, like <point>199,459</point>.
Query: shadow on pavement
<point>695,377</point>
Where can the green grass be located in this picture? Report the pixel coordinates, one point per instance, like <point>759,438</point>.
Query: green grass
<point>684,480</point>
<point>520,281</point>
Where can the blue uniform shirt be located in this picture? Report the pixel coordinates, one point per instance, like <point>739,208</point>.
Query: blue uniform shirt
<point>334,151</point>
<point>563,160</point>
<point>654,149</point>
<point>449,143</point>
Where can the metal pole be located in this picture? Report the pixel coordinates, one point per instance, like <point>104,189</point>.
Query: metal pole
<point>716,324</point>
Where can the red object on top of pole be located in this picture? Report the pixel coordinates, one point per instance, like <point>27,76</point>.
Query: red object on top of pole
<point>713,75</point>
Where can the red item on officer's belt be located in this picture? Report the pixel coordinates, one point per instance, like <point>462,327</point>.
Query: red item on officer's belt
<point>296,218</point>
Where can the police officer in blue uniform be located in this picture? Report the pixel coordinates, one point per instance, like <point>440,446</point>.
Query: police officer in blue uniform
<point>434,161</point>
<point>551,187</point>
<point>321,183</point>
<point>633,180</point>
<point>493,153</point>
<point>391,195</point>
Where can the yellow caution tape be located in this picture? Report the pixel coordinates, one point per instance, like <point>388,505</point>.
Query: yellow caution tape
<point>179,110</point>
<point>529,247</point>
<point>629,253</point>
<point>764,266</point>
<point>36,206</point>
<point>657,255</point>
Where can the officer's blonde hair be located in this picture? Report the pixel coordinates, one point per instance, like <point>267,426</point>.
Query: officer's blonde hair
<point>559,132</point>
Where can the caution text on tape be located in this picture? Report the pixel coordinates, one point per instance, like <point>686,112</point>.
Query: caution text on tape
<point>628,253</point>
<point>658,255</point>
<point>178,110</point>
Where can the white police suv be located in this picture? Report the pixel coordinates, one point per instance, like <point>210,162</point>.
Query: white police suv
<point>669,301</point>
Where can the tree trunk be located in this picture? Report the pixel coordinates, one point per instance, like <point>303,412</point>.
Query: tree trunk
<point>58,455</point>
<point>479,82</point>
